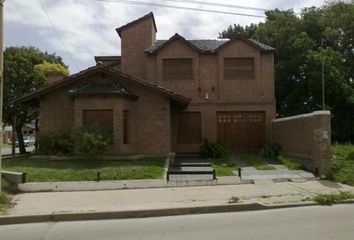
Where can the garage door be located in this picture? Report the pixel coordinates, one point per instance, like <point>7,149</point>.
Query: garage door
<point>242,131</point>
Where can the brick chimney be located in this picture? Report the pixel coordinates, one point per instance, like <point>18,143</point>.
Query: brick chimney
<point>54,76</point>
<point>136,36</point>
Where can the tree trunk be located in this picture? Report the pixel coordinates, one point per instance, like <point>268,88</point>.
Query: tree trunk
<point>21,144</point>
<point>13,138</point>
<point>36,136</point>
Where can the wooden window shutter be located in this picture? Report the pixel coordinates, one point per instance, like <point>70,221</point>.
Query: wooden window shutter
<point>178,69</point>
<point>238,68</point>
<point>189,127</point>
<point>103,118</point>
<point>125,126</point>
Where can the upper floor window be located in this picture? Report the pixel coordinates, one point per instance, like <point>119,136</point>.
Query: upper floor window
<point>178,69</point>
<point>238,68</point>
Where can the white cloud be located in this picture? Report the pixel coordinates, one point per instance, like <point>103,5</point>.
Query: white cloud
<point>87,27</point>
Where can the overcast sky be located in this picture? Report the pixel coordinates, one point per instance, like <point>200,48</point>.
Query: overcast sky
<point>87,27</point>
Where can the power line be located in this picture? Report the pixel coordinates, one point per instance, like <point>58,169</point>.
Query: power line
<point>178,7</point>
<point>58,35</point>
<point>218,5</point>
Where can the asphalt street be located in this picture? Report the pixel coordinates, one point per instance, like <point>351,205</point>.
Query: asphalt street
<point>319,222</point>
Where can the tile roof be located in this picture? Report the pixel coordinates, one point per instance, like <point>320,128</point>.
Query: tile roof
<point>109,70</point>
<point>108,87</point>
<point>207,45</point>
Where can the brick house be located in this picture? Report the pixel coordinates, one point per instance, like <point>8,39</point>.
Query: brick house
<point>163,96</point>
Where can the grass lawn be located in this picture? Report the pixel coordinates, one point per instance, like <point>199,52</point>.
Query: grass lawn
<point>290,163</point>
<point>257,162</point>
<point>224,166</point>
<point>85,170</point>
<point>343,163</point>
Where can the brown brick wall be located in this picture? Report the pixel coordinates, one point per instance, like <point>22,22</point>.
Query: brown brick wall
<point>134,40</point>
<point>148,122</point>
<point>56,112</point>
<point>306,137</point>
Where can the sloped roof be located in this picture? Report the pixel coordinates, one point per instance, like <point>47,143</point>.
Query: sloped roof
<point>98,88</point>
<point>34,96</point>
<point>207,45</point>
<point>151,14</point>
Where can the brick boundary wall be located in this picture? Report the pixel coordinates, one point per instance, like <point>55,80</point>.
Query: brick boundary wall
<point>306,138</point>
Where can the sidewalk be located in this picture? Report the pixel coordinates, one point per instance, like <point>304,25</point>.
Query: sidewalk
<point>52,203</point>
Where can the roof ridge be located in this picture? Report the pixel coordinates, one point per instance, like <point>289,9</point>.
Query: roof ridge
<point>150,14</point>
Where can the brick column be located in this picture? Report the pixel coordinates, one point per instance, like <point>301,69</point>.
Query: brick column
<point>322,141</point>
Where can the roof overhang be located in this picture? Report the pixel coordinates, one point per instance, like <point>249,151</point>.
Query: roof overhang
<point>34,97</point>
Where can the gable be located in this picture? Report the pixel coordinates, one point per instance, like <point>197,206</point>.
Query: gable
<point>102,70</point>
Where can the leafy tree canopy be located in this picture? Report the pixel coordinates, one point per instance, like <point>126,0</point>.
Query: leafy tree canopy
<point>40,71</point>
<point>302,43</point>
<point>20,79</point>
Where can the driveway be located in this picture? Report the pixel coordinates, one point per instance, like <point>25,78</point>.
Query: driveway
<point>8,150</point>
<point>278,173</point>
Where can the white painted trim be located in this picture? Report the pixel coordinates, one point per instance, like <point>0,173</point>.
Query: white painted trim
<point>302,116</point>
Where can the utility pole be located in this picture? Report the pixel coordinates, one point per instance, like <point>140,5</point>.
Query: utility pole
<point>323,87</point>
<point>1,75</point>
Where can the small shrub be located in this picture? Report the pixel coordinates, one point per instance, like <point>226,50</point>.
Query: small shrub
<point>234,199</point>
<point>329,199</point>
<point>90,140</point>
<point>214,150</point>
<point>270,150</point>
<point>3,199</point>
<point>55,144</point>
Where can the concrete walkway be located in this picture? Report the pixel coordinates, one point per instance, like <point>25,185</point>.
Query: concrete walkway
<point>280,172</point>
<point>32,204</point>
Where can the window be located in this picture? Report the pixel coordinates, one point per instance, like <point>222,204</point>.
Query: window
<point>103,118</point>
<point>189,127</point>
<point>238,68</point>
<point>178,69</point>
<point>125,127</point>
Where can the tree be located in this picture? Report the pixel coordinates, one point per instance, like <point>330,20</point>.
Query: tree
<point>238,30</point>
<point>19,80</point>
<point>302,43</point>
<point>40,71</point>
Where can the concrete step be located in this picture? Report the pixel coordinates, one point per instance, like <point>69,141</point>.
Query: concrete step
<point>188,155</point>
<point>191,177</point>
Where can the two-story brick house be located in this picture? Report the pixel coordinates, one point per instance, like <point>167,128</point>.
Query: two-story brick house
<point>163,96</point>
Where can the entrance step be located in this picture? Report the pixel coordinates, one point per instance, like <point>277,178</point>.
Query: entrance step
<point>190,168</point>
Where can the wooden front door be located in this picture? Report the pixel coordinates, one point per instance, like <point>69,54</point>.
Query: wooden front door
<point>242,131</point>
<point>103,118</point>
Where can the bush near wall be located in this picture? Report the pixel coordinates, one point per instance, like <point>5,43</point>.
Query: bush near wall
<point>214,150</point>
<point>83,140</point>
<point>90,140</point>
<point>55,143</point>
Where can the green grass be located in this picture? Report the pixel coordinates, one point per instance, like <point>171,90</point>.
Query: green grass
<point>224,166</point>
<point>85,170</point>
<point>256,162</point>
<point>5,203</point>
<point>329,199</point>
<point>290,163</point>
<point>234,199</point>
<point>343,163</point>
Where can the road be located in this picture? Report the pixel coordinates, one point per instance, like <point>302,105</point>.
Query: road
<point>325,223</point>
<point>8,150</point>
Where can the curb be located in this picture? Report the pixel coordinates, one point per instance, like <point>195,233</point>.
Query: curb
<point>61,217</point>
<point>65,217</point>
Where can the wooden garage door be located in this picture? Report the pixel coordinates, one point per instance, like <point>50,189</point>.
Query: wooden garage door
<point>242,131</point>
<point>189,128</point>
<point>104,118</point>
